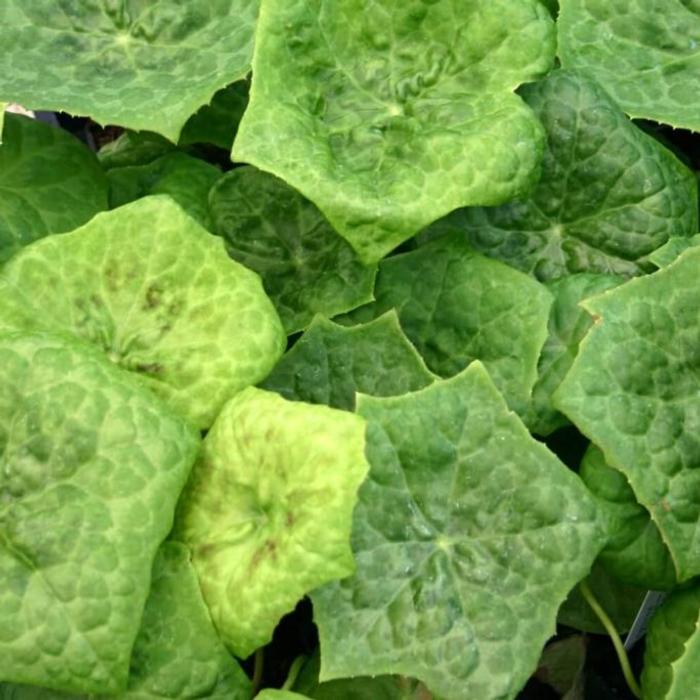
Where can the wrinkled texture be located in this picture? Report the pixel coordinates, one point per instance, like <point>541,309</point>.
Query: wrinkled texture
<point>158,294</point>
<point>138,64</point>
<point>609,195</point>
<point>391,115</point>
<point>457,306</point>
<point>634,389</point>
<point>330,363</point>
<point>468,536</point>
<point>268,510</point>
<point>49,183</point>
<point>672,249</point>
<point>306,267</point>
<point>91,466</point>
<point>645,54</point>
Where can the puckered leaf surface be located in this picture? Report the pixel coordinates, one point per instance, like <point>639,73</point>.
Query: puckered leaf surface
<point>609,195</point>
<point>330,363</point>
<point>49,183</point>
<point>468,536</point>
<point>644,53</point>
<point>672,654</point>
<point>456,306</point>
<point>142,65</point>
<point>268,510</point>
<point>389,115</point>
<point>306,267</point>
<point>91,466</point>
<point>156,292</point>
<point>634,389</point>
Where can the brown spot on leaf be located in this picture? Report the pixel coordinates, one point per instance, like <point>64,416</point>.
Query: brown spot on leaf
<point>267,551</point>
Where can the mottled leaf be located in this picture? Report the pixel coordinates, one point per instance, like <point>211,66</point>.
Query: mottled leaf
<point>329,364</point>
<point>159,295</point>
<point>468,536</point>
<point>389,115</point>
<point>91,466</point>
<point>49,183</point>
<point>268,510</point>
<point>306,267</point>
<point>634,389</point>
<point>672,249</point>
<point>142,65</point>
<point>609,195</point>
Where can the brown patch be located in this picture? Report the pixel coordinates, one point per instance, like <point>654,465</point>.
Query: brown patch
<point>596,319</point>
<point>665,505</point>
<point>290,519</point>
<point>154,297</point>
<point>268,550</point>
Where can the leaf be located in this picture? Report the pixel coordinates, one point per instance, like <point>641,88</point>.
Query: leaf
<point>561,666</point>
<point>92,465</point>
<point>393,114</point>
<point>672,654</point>
<point>633,390</point>
<point>158,294</point>
<point>610,194</point>
<point>186,179</point>
<point>644,54</point>
<point>267,513</point>
<point>49,183</point>
<point>273,694</point>
<point>672,249</point>
<point>330,363</point>
<point>133,148</point>
<point>467,537</point>
<point>635,553</point>
<point>457,306</point>
<point>620,601</point>
<point>568,324</point>
<point>178,653</point>
<point>217,122</point>
<point>162,60</point>
<point>306,267</point>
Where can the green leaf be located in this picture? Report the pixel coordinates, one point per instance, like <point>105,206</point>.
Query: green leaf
<point>268,510</point>
<point>91,466</point>
<point>49,183</point>
<point>672,249</point>
<point>643,53</point>
<point>672,654</point>
<point>178,653</point>
<point>217,122</point>
<point>634,390</point>
<point>620,601</point>
<point>561,666</point>
<point>186,179</point>
<point>306,267</point>
<point>468,536</point>
<point>273,694</point>
<point>329,364</point>
<point>133,148</point>
<point>610,194</point>
<point>392,114</point>
<point>457,306</point>
<point>635,553</point>
<point>568,324</point>
<point>159,295</point>
<point>141,65</point>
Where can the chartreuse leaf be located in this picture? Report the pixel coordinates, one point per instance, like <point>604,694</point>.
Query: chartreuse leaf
<point>457,306</point>
<point>672,654</point>
<point>306,267</point>
<point>634,389</point>
<point>329,364</point>
<point>672,249</point>
<point>164,60</point>
<point>635,553</point>
<point>468,536</point>
<point>186,179</point>
<point>49,183</point>
<point>392,114</point>
<point>609,195</point>
<point>643,53</point>
<point>159,295</point>
<point>268,510</point>
<point>91,466</point>
<point>568,324</point>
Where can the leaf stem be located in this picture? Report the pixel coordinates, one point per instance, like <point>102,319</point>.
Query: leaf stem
<point>258,670</point>
<point>615,638</point>
<point>293,672</point>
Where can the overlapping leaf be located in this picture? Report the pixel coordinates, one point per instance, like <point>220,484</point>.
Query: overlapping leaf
<point>468,536</point>
<point>159,295</point>
<point>390,115</point>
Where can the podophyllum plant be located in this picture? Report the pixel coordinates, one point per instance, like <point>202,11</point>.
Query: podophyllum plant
<point>328,367</point>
